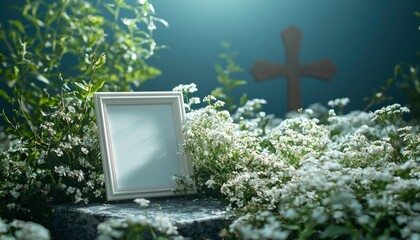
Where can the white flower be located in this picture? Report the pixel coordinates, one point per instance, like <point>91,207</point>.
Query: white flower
<point>71,109</point>
<point>415,225</point>
<point>192,88</point>
<point>142,202</point>
<point>79,175</point>
<point>84,150</point>
<point>219,103</point>
<point>187,88</point>
<point>4,228</point>
<point>60,170</point>
<point>164,225</point>
<point>151,25</point>
<point>210,182</point>
<point>71,190</point>
<point>209,98</point>
<point>339,102</point>
<point>58,151</point>
<point>129,22</point>
<point>30,231</point>
<point>194,100</point>
<point>15,193</point>
<point>76,141</point>
<point>78,197</point>
<point>11,205</point>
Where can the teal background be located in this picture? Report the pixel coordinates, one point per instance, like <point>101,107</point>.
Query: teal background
<point>364,39</point>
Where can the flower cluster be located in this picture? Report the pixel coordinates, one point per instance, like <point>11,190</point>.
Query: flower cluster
<point>216,146</point>
<point>59,161</point>
<point>317,174</point>
<point>133,227</point>
<point>186,89</point>
<point>251,117</point>
<point>23,230</point>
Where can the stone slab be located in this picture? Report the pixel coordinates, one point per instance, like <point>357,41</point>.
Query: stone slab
<point>195,218</point>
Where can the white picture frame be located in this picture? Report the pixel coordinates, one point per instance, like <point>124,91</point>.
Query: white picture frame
<point>140,134</point>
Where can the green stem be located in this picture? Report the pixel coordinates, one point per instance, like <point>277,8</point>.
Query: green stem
<point>117,13</point>
<point>27,119</point>
<point>89,86</point>
<point>8,45</point>
<point>58,24</point>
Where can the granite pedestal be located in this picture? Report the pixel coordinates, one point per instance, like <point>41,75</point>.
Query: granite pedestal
<point>195,218</point>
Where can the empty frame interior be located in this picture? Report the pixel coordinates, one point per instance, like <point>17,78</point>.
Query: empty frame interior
<point>140,134</point>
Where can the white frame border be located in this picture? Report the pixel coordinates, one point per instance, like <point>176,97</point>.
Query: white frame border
<point>101,101</point>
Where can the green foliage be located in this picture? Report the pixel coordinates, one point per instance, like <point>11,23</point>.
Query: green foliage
<point>225,78</point>
<point>50,38</point>
<point>56,161</point>
<point>406,78</point>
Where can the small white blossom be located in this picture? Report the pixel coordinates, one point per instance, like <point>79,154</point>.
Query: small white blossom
<point>142,202</point>
<point>151,25</point>
<point>339,102</point>
<point>210,182</point>
<point>58,151</point>
<point>84,150</point>
<point>71,109</point>
<point>30,230</point>
<point>194,100</point>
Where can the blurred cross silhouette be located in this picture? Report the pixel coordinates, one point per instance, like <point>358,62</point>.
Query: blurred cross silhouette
<point>323,69</point>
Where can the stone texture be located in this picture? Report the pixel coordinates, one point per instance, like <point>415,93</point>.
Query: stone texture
<point>195,218</point>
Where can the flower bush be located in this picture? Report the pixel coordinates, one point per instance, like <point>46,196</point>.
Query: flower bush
<point>57,161</point>
<point>138,227</point>
<point>23,231</point>
<point>49,150</point>
<point>331,176</point>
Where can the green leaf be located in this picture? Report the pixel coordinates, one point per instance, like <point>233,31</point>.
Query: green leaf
<point>308,231</point>
<point>16,70</point>
<point>97,85</point>
<point>109,7</point>
<point>4,94</point>
<point>6,118</point>
<point>43,101</point>
<point>223,56</point>
<point>35,21</point>
<point>336,231</point>
<point>237,83</point>
<point>225,44</point>
<point>243,99</point>
<point>218,93</point>
<point>18,25</point>
<point>80,86</point>
<point>398,69</point>
<point>288,226</point>
<point>164,22</point>
<point>219,69</point>
<point>43,79</point>
<point>32,156</point>
<point>99,62</point>
<point>223,79</point>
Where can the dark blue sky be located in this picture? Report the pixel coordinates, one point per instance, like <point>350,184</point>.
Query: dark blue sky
<point>365,39</point>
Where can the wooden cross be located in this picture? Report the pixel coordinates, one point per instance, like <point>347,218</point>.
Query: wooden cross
<point>323,69</point>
